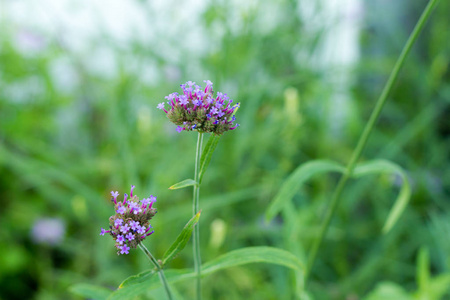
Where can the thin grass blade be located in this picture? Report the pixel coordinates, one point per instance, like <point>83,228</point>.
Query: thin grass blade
<point>293,183</point>
<point>384,166</point>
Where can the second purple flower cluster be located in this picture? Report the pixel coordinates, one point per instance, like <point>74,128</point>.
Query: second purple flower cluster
<point>131,223</point>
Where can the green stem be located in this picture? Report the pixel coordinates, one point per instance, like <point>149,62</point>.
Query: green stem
<point>162,277</point>
<point>366,133</point>
<point>195,208</point>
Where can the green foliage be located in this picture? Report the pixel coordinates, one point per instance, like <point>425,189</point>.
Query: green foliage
<point>183,184</point>
<point>309,169</point>
<point>78,119</point>
<point>138,284</point>
<point>253,255</point>
<point>388,291</point>
<point>181,240</point>
<point>428,288</point>
<point>295,181</point>
<point>90,291</point>
<point>207,153</point>
<point>382,166</point>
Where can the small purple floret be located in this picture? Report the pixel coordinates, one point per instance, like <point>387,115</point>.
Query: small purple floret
<point>141,229</point>
<point>134,225</point>
<point>145,201</point>
<point>130,236</point>
<point>132,205</point>
<point>183,100</point>
<point>120,239</point>
<point>121,210</point>
<point>118,222</point>
<point>124,249</point>
<point>137,210</point>
<point>124,228</point>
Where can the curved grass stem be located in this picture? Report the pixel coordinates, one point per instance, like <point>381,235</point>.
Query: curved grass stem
<point>334,201</point>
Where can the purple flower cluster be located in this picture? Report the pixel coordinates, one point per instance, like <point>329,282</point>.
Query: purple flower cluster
<point>198,109</point>
<point>131,223</point>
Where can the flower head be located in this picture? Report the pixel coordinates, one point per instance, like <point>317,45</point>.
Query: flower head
<point>130,224</point>
<point>198,109</point>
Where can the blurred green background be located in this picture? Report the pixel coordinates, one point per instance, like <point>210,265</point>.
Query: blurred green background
<point>79,85</point>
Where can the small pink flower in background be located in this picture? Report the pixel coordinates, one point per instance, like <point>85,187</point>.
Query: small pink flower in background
<point>49,231</point>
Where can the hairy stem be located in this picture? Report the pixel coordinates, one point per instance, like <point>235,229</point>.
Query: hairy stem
<point>334,201</point>
<point>162,277</point>
<point>195,208</point>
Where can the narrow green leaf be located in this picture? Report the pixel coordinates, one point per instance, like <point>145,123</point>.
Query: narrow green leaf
<point>207,154</point>
<point>135,285</point>
<point>183,184</point>
<point>139,284</point>
<point>293,183</point>
<point>248,255</point>
<point>389,291</point>
<point>383,166</point>
<point>205,149</point>
<point>141,277</point>
<point>181,240</point>
<point>423,273</point>
<point>90,291</point>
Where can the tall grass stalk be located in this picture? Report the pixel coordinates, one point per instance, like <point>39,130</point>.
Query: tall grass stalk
<point>334,200</point>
